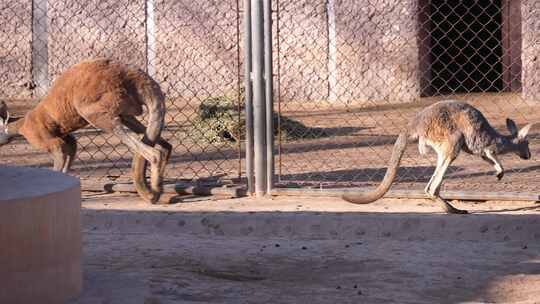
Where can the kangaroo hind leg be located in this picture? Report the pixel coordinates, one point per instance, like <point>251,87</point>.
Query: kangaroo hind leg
<point>63,152</point>
<point>149,153</point>
<point>136,126</point>
<point>446,154</point>
<point>138,167</point>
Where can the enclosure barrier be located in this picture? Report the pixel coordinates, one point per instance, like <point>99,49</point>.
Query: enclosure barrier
<point>324,85</point>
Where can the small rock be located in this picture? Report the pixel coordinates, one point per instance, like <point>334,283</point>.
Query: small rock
<point>524,247</point>
<point>277,245</point>
<point>304,247</point>
<point>338,287</point>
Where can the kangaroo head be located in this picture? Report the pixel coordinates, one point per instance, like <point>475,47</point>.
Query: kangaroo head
<point>4,119</point>
<point>519,139</point>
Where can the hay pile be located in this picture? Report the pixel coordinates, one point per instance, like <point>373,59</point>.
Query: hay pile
<point>221,119</point>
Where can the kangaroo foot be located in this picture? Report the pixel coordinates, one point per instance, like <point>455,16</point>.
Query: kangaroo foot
<point>447,207</point>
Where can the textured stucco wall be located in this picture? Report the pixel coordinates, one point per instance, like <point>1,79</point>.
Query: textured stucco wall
<point>377,51</point>
<point>362,51</point>
<point>83,29</point>
<point>530,55</point>
<point>196,47</point>
<point>15,48</point>
<point>303,42</point>
<point>371,55</point>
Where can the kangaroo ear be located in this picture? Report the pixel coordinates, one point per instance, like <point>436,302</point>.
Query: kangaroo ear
<point>524,131</point>
<point>511,125</point>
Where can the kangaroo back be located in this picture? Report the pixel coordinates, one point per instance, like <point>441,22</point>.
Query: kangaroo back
<point>393,165</point>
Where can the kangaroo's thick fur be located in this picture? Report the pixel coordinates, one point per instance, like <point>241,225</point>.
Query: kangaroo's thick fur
<point>449,127</point>
<point>107,95</point>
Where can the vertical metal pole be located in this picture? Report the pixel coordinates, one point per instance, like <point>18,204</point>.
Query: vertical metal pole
<point>269,92</point>
<point>248,97</point>
<point>40,47</point>
<point>259,102</point>
<point>332,51</point>
<point>150,38</point>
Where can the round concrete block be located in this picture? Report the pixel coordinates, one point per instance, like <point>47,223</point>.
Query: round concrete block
<point>40,236</point>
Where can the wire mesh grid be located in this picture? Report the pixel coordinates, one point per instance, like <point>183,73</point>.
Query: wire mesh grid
<point>190,47</point>
<point>352,74</point>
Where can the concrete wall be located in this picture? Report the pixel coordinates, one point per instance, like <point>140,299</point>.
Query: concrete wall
<point>15,48</point>
<point>530,56</point>
<point>91,28</point>
<point>303,54</point>
<point>348,51</point>
<point>377,51</point>
<point>338,50</point>
<point>196,47</point>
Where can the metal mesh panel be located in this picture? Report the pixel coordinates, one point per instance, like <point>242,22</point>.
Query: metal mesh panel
<point>190,47</point>
<point>352,74</point>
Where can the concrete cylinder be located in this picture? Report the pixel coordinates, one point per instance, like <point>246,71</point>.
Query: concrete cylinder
<point>40,236</point>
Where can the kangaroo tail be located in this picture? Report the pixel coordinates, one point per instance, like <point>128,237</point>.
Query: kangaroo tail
<point>397,153</point>
<point>155,102</point>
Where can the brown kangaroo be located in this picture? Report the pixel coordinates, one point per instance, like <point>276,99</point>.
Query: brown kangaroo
<point>450,127</point>
<point>107,95</point>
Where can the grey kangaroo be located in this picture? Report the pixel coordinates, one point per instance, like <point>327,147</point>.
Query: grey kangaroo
<point>450,127</point>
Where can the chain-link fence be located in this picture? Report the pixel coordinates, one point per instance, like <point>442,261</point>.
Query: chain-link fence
<point>351,74</point>
<point>348,76</point>
<point>192,48</point>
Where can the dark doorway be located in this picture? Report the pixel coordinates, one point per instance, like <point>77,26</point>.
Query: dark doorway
<point>466,48</point>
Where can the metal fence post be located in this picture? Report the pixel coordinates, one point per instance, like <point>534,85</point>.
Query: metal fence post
<point>269,91</point>
<point>259,102</point>
<point>150,38</point>
<point>40,47</point>
<point>248,97</point>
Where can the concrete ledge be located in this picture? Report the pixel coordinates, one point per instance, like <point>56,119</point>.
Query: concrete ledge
<point>318,225</point>
<point>40,236</point>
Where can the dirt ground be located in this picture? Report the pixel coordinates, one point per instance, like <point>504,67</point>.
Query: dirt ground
<point>316,250</point>
<point>353,152</point>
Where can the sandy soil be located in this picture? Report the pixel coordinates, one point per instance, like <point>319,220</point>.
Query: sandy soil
<point>317,250</point>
